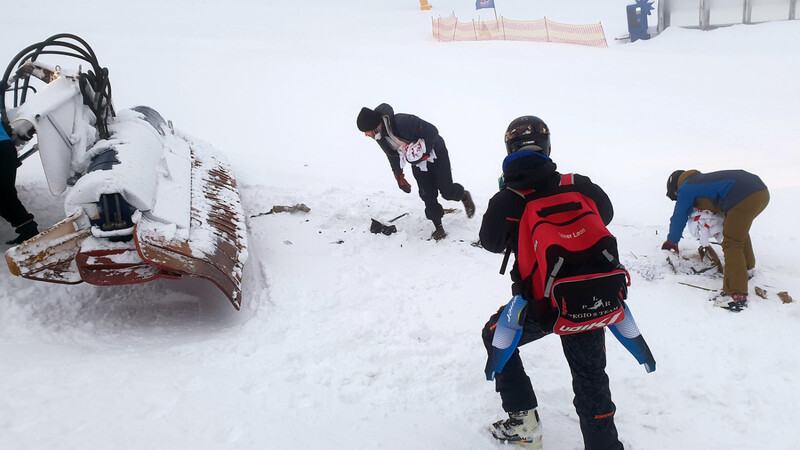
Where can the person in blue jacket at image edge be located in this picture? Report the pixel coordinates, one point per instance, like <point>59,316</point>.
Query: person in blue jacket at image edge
<point>11,208</point>
<point>741,196</point>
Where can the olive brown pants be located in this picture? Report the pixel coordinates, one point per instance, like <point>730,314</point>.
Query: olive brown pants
<point>736,245</point>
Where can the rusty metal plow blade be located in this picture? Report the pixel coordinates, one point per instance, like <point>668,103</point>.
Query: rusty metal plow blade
<point>215,247</point>
<point>50,255</point>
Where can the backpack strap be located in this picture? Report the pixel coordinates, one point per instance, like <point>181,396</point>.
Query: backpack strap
<point>552,277</point>
<point>524,193</point>
<point>504,264</point>
<point>616,262</point>
<point>566,179</point>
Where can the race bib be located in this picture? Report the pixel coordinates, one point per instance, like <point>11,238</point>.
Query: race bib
<point>415,151</point>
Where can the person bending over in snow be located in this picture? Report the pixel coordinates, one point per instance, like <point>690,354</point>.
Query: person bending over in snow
<point>406,138</point>
<point>528,168</point>
<point>740,196</point>
<point>11,208</point>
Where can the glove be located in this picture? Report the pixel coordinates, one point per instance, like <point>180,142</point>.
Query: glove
<point>21,135</point>
<point>402,183</point>
<point>667,245</point>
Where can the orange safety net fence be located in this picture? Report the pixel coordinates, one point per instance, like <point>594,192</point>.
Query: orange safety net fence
<point>449,29</point>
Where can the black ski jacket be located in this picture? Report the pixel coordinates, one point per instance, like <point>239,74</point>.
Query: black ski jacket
<point>408,128</point>
<point>11,209</point>
<point>525,172</point>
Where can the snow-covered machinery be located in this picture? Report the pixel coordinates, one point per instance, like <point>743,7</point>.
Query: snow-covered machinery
<point>143,200</point>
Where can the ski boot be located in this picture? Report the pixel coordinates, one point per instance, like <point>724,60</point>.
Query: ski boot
<point>469,205</point>
<point>736,302</point>
<point>521,428</point>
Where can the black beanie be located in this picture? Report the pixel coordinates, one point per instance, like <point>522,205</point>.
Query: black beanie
<point>368,120</point>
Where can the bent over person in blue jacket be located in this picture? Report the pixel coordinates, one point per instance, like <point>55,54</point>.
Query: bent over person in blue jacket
<point>741,196</point>
<point>407,139</point>
<point>11,209</point>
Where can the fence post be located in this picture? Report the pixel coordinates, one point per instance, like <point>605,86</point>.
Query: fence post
<point>504,27</point>
<point>792,8</point>
<point>663,15</point>
<point>705,15</point>
<point>455,26</point>
<point>475,32</point>
<point>748,11</point>
<point>546,31</point>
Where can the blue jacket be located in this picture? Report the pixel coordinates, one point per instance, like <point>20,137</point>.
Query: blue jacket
<point>3,134</point>
<point>724,189</point>
<point>408,128</point>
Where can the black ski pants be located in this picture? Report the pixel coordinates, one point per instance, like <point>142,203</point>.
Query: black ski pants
<point>437,178</point>
<point>11,208</point>
<point>586,356</point>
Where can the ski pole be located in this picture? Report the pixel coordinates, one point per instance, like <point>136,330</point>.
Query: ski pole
<point>503,266</point>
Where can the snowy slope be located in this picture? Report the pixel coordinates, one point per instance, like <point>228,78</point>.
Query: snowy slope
<point>352,340</point>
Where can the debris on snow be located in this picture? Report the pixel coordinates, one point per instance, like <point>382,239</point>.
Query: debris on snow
<point>300,207</point>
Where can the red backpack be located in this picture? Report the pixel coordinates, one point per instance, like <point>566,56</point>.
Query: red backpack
<point>568,257</point>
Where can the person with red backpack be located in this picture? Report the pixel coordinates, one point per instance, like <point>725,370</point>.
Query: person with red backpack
<point>529,173</point>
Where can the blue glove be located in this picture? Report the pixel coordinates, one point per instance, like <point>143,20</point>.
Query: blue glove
<point>627,333</point>
<point>506,336</point>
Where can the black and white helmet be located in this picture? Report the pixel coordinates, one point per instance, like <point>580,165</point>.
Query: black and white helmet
<point>528,133</point>
<point>672,185</point>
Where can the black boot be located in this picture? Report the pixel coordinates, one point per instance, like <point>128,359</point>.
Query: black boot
<point>26,231</point>
<point>469,206</point>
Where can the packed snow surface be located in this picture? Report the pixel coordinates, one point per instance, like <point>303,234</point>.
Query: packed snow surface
<point>351,340</point>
